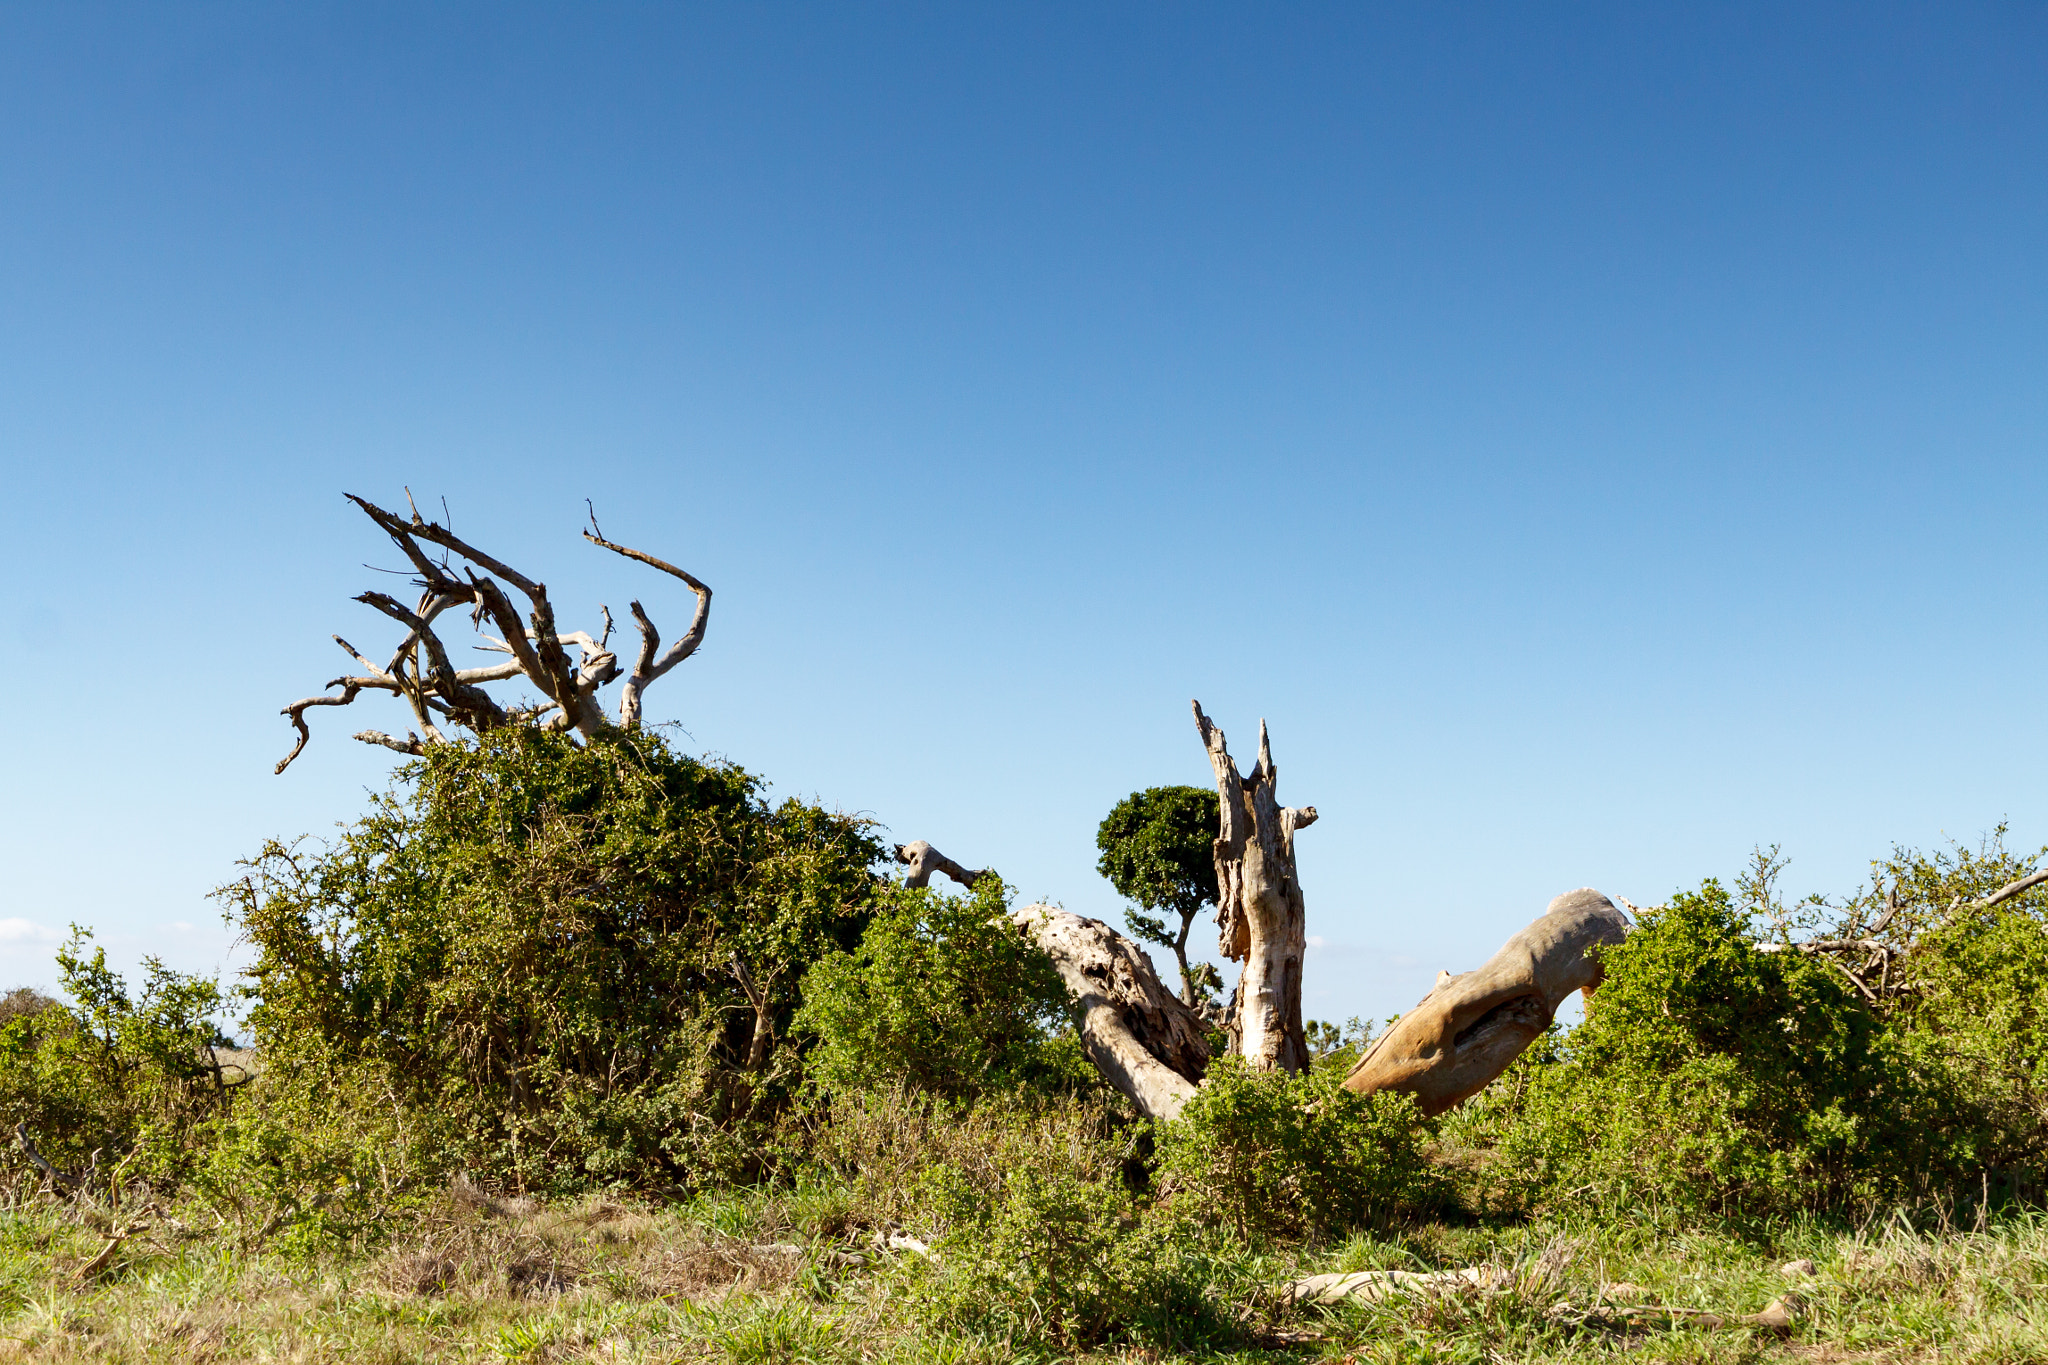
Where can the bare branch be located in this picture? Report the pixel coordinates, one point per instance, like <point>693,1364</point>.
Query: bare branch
<point>2011,889</point>
<point>646,669</point>
<point>923,860</point>
<point>400,530</point>
<point>28,1148</point>
<point>297,712</point>
<point>419,668</point>
<point>409,745</point>
<point>495,673</point>
<point>547,667</point>
<point>467,704</point>
<point>763,1037</point>
<point>357,655</point>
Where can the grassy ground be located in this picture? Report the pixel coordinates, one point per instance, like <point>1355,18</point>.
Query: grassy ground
<point>758,1279</point>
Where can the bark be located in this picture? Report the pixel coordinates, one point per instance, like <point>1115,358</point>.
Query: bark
<point>1471,1026</point>
<point>1142,1039</point>
<point>762,1038</point>
<point>1259,911</point>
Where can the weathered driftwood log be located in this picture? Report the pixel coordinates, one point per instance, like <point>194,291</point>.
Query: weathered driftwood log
<point>1471,1026</point>
<point>1259,911</point>
<point>1139,1035</point>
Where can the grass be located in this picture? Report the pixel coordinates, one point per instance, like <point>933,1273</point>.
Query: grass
<point>761,1279</point>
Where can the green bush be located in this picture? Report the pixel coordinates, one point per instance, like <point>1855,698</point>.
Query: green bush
<point>570,964</point>
<point>1713,1078</point>
<point>120,1085</point>
<point>1036,1233</point>
<point>1275,1155</point>
<point>1064,1254</point>
<point>1976,1002</point>
<point>944,995</point>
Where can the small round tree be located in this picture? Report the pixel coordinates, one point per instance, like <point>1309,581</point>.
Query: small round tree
<point>1159,849</point>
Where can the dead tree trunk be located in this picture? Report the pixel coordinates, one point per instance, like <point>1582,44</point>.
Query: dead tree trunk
<point>1259,911</point>
<point>1143,1039</point>
<point>1471,1026</point>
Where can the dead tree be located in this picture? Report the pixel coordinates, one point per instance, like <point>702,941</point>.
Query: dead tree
<point>1150,1045</point>
<point>1259,909</point>
<point>440,695</point>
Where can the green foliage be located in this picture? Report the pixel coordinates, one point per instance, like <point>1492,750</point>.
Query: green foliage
<point>1067,1256</point>
<point>1275,1155</point>
<point>1035,1230</point>
<point>1157,848</point>
<point>944,995</point>
<point>567,964</point>
<point>1978,997</point>
<point>124,1081</point>
<point>1712,1078</point>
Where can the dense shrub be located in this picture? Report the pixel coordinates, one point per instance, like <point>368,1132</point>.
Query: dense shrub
<point>1271,1154</point>
<point>567,964</point>
<point>1977,997</point>
<point>119,1085</point>
<point>944,995</point>
<point>1037,1230</point>
<point>1713,1078</point>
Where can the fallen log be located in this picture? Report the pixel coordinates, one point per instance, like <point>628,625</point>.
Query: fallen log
<point>1470,1026</point>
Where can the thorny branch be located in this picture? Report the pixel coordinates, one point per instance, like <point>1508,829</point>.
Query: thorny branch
<point>421,671</point>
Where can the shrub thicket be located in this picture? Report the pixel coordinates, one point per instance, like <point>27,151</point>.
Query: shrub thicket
<point>118,1085</point>
<point>549,966</point>
<point>1037,1225</point>
<point>1274,1155</point>
<point>562,963</point>
<point>1711,1077</point>
<point>943,995</point>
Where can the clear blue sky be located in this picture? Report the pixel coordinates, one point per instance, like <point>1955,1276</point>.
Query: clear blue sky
<point>1598,438</point>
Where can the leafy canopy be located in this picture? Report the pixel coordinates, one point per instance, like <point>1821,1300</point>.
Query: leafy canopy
<point>1158,849</point>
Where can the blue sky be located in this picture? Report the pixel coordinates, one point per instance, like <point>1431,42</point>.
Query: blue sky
<point>1598,439</point>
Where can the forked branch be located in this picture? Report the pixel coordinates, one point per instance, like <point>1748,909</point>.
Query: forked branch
<point>646,668</point>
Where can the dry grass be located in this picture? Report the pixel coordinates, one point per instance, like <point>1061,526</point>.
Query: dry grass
<point>757,1280</point>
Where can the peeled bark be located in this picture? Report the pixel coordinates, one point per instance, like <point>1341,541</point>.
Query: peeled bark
<point>1471,1026</point>
<point>1259,910</point>
<point>1139,1035</point>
